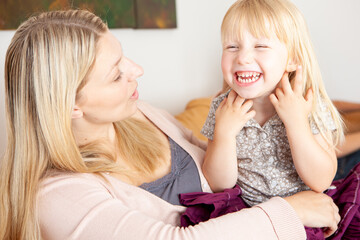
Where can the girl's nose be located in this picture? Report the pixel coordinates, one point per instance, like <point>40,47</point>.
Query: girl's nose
<point>244,57</point>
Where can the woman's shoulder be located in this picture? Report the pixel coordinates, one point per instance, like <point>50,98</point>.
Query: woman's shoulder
<point>57,186</point>
<point>59,179</point>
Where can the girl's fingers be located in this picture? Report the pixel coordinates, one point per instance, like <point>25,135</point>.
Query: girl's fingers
<point>309,95</point>
<point>298,81</point>
<point>231,97</point>
<point>247,105</point>
<point>223,102</point>
<point>273,99</point>
<point>250,115</point>
<point>238,102</point>
<point>279,93</point>
<point>285,83</point>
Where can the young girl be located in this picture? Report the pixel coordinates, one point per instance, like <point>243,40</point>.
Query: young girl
<point>274,133</point>
<point>276,126</point>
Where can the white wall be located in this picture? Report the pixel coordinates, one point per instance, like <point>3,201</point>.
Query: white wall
<point>184,63</point>
<point>335,29</point>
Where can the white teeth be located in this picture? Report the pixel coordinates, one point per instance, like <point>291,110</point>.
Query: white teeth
<point>248,77</point>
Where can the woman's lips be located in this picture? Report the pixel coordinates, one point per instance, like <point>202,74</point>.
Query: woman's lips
<point>135,95</point>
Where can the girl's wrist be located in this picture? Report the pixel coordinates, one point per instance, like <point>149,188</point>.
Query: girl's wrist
<point>299,123</point>
<point>222,135</point>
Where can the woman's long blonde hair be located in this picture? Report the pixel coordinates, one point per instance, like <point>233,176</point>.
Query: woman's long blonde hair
<point>46,66</point>
<point>263,18</point>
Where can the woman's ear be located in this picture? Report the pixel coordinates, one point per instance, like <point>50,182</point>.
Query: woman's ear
<point>76,112</point>
<point>291,66</point>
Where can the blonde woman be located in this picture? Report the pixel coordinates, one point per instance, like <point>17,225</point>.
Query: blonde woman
<point>87,160</point>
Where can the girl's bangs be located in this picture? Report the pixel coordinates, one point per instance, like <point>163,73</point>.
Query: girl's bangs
<point>259,21</point>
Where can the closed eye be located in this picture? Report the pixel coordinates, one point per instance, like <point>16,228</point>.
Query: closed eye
<point>232,47</point>
<point>118,77</point>
<point>261,46</point>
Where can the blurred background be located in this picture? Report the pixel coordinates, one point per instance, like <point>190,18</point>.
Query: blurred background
<point>183,63</point>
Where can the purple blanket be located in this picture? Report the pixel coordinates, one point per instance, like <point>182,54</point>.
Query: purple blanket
<point>203,206</point>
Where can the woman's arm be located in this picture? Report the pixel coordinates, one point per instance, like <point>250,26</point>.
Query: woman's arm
<point>83,206</point>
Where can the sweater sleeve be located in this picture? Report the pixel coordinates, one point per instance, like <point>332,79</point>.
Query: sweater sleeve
<point>85,208</point>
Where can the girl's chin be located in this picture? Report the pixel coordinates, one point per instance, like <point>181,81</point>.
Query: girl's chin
<point>242,93</point>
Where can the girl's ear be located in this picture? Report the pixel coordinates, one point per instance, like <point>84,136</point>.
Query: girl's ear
<point>291,66</point>
<point>76,112</point>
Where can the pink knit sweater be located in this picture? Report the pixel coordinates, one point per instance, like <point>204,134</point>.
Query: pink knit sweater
<point>84,206</point>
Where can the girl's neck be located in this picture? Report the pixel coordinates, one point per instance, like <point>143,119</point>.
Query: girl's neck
<point>264,110</point>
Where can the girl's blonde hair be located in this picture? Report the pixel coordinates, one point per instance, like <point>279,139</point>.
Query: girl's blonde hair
<point>46,66</point>
<point>263,18</point>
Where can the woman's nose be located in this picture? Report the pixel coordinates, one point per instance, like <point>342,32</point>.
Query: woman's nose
<point>135,70</point>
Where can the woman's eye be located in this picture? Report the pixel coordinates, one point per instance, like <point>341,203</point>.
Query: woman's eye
<point>118,77</point>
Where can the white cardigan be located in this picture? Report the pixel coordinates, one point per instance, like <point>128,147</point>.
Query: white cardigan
<point>84,206</point>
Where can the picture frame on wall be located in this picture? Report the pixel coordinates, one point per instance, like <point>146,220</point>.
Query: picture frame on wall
<point>138,14</point>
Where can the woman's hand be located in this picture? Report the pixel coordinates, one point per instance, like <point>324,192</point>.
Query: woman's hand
<point>316,210</point>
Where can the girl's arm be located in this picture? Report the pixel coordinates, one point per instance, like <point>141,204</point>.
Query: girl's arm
<point>220,163</point>
<point>314,160</point>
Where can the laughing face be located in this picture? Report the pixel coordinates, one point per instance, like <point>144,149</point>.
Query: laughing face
<point>110,93</point>
<point>253,67</point>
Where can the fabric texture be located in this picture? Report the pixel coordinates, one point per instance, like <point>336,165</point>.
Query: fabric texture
<point>265,166</point>
<point>204,206</point>
<point>345,193</point>
<point>87,206</point>
<point>183,177</point>
<point>194,116</point>
<point>346,163</point>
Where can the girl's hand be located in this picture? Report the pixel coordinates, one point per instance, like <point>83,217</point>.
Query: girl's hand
<point>232,114</point>
<point>289,102</point>
<point>316,210</point>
